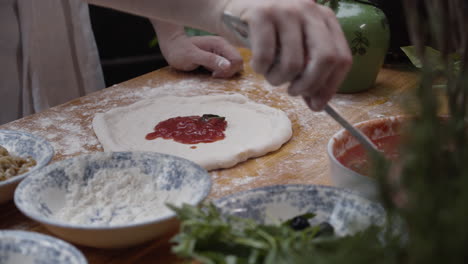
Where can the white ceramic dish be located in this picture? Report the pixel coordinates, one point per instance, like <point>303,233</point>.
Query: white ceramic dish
<point>342,141</point>
<point>23,144</point>
<point>40,197</point>
<point>34,248</point>
<point>345,210</point>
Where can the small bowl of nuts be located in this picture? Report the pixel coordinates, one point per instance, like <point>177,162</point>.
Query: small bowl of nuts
<point>21,154</point>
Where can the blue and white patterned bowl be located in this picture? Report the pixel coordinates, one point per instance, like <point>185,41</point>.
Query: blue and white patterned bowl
<point>345,210</point>
<point>34,248</point>
<point>180,181</point>
<point>23,144</point>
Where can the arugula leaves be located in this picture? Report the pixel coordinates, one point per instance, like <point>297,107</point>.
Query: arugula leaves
<point>212,238</point>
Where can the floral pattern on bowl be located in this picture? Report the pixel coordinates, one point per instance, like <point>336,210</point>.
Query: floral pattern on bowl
<point>42,196</point>
<point>34,248</point>
<point>345,210</point>
<point>23,144</point>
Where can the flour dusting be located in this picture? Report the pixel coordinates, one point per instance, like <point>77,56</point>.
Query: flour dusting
<point>221,189</point>
<point>113,197</point>
<point>302,160</point>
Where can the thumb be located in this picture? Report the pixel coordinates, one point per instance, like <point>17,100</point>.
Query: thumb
<point>220,66</point>
<point>224,67</point>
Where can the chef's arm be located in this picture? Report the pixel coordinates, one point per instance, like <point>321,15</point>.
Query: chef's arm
<point>202,14</point>
<point>294,42</point>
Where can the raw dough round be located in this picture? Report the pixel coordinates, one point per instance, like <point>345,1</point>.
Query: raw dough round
<point>253,129</point>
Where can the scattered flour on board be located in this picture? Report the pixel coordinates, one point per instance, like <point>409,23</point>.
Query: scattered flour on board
<point>71,131</point>
<point>221,189</point>
<point>113,197</point>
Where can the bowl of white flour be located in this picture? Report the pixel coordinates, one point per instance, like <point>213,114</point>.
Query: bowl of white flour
<point>112,199</point>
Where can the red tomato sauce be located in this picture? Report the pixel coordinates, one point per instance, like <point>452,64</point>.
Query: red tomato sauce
<point>356,157</point>
<point>190,129</point>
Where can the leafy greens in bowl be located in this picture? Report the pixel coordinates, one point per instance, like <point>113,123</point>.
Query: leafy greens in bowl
<point>255,226</point>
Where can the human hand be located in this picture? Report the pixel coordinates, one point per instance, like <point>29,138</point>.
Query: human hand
<point>313,53</point>
<point>188,53</point>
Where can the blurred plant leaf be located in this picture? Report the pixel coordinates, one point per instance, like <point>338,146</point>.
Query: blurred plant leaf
<point>434,58</point>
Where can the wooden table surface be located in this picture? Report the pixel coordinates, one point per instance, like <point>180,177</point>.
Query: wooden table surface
<point>302,160</point>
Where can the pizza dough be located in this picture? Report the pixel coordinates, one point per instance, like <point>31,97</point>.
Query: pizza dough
<point>253,129</point>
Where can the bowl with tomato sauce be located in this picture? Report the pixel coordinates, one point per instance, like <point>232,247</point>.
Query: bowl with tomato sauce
<point>350,166</point>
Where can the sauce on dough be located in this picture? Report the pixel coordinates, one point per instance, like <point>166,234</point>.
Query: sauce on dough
<point>190,129</point>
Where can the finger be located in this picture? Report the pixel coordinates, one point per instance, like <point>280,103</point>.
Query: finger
<point>342,63</point>
<point>234,57</point>
<point>228,71</point>
<point>345,58</point>
<point>322,94</point>
<point>220,66</point>
<point>317,101</point>
<point>307,100</point>
<point>291,53</point>
<point>337,33</point>
<point>321,60</point>
<point>331,57</point>
<point>263,41</point>
<point>223,49</point>
<point>220,46</point>
<point>325,94</point>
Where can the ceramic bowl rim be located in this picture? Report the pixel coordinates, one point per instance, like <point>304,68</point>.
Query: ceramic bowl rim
<point>52,222</point>
<point>341,191</point>
<point>47,159</point>
<point>63,245</point>
<point>331,142</point>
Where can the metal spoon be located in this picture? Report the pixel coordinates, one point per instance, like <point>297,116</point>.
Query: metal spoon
<point>356,133</point>
<point>240,28</point>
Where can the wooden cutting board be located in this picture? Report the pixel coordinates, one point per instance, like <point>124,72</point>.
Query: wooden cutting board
<point>302,160</point>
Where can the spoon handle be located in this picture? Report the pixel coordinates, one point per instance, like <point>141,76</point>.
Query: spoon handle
<point>363,139</point>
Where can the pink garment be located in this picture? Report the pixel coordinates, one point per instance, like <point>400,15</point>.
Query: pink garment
<point>48,55</point>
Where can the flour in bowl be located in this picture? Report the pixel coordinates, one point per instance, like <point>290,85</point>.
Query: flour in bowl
<point>114,197</point>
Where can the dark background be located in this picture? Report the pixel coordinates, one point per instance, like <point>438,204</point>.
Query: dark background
<point>124,41</point>
<point>124,45</point>
<point>393,9</point>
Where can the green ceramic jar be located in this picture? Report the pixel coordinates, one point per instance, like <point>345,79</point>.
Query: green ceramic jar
<point>366,29</point>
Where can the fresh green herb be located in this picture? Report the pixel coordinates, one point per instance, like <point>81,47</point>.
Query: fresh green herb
<point>325,229</point>
<point>208,117</point>
<point>431,191</point>
<point>212,238</point>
